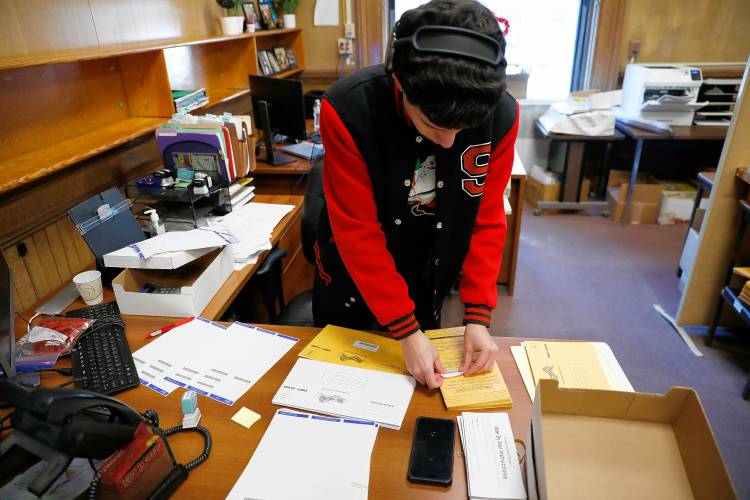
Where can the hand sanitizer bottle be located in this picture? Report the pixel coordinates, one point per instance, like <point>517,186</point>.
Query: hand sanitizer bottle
<point>154,227</point>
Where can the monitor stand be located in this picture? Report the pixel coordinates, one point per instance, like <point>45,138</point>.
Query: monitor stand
<point>271,157</point>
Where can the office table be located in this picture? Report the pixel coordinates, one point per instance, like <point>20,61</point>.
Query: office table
<point>640,136</point>
<point>572,173</point>
<point>233,445</point>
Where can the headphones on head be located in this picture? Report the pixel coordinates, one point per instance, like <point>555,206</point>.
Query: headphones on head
<point>448,40</point>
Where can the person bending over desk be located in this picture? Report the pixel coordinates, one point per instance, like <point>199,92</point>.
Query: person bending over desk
<point>418,154</point>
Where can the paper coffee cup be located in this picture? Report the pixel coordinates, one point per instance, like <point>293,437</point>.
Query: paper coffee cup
<point>89,285</point>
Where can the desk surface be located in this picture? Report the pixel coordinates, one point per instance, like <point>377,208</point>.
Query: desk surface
<point>233,445</point>
<point>618,136</point>
<point>297,167</point>
<point>237,280</point>
<point>693,133</point>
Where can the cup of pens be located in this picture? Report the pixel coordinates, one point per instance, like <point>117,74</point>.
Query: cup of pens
<point>89,285</point>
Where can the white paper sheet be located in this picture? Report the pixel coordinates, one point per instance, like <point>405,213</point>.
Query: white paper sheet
<point>303,456</point>
<point>326,13</point>
<point>492,468</point>
<point>345,391</point>
<point>212,360</point>
<point>174,241</point>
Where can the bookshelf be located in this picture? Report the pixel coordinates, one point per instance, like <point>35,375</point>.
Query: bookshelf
<point>69,106</point>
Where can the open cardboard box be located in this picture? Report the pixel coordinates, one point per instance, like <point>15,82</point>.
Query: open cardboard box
<point>595,444</point>
<point>198,280</point>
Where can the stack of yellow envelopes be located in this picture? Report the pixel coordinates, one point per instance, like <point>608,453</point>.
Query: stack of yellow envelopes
<point>481,391</point>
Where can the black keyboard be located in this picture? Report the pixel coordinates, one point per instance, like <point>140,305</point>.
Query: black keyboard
<point>102,361</point>
<point>96,312</point>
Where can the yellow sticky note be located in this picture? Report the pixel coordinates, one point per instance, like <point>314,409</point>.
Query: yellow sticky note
<point>245,417</point>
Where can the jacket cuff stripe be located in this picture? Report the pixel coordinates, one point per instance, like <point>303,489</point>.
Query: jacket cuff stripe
<point>406,333</point>
<point>407,317</point>
<point>404,327</point>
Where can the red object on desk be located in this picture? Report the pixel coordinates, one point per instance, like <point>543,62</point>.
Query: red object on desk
<point>169,327</point>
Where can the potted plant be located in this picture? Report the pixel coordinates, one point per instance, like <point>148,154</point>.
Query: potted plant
<point>289,6</point>
<point>233,23</point>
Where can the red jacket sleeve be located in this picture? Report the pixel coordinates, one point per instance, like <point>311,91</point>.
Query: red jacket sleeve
<point>481,266</point>
<point>356,230</point>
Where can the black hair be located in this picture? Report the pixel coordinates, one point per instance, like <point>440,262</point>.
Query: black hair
<point>452,91</point>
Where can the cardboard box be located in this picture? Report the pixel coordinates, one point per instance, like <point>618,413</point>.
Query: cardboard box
<point>198,280</point>
<point>594,444</point>
<point>677,200</point>
<point>537,191</point>
<point>645,203</point>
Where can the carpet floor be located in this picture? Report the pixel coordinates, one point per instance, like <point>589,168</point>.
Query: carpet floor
<point>584,277</point>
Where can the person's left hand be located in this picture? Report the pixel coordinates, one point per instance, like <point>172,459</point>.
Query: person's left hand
<point>480,349</point>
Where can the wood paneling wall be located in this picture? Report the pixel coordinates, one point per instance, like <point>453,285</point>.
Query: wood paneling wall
<point>48,259</point>
<point>39,26</point>
<point>692,31</point>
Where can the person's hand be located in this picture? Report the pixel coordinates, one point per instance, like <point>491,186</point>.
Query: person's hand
<point>422,360</point>
<point>480,350</point>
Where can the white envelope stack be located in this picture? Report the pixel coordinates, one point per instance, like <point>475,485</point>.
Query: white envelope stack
<point>492,468</point>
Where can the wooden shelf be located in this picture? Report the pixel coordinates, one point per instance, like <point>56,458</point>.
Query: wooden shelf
<point>106,51</point>
<point>56,156</point>
<point>220,96</point>
<point>262,33</point>
<point>289,72</point>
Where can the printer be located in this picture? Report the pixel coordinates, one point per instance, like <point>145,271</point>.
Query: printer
<point>665,93</point>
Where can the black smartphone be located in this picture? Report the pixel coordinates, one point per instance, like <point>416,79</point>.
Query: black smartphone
<point>431,460</point>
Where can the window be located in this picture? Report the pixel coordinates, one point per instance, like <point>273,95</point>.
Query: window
<point>540,43</point>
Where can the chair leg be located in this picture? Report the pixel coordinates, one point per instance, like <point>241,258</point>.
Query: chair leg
<point>709,338</point>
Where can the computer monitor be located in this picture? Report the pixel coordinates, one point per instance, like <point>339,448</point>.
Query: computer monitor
<point>278,107</point>
<point>7,332</point>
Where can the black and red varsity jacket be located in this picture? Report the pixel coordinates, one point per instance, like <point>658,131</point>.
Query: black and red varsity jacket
<point>363,248</point>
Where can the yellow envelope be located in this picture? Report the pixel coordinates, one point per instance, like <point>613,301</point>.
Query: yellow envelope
<point>344,346</point>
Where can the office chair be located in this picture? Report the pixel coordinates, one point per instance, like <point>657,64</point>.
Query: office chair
<point>298,312</point>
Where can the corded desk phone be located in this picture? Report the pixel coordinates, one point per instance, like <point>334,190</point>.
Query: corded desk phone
<point>57,425</point>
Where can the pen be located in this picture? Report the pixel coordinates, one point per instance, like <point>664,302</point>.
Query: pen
<point>169,327</point>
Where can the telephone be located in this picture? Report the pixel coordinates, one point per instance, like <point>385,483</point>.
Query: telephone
<point>57,425</point>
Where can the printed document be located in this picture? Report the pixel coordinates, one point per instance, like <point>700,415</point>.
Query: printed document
<point>492,468</point>
<point>344,346</point>
<point>213,360</point>
<point>309,457</point>
<point>616,377</point>
<point>484,390</point>
<point>572,364</point>
<point>348,392</point>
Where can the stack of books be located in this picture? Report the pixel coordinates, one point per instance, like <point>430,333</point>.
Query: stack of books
<point>241,192</point>
<point>188,100</point>
<point>744,272</point>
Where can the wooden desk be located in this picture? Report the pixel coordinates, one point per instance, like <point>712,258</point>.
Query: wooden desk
<point>640,136</point>
<point>572,169</point>
<point>288,234</point>
<point>233,445</point>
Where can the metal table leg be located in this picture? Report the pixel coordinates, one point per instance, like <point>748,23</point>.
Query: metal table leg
<point>633,176</point>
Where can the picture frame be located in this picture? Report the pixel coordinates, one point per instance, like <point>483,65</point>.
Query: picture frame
<point>268,16</point>
<point>251,14</point>
<point>291,57</point>
<point>280,53</point>
<point>274,63</point>
<point>265,63</point>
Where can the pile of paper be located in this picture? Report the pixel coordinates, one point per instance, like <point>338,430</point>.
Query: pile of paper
<point>484,390</point>
<point>492,469</point>
<point>215,361</point>
<point>303,456</point>
<point>251,226</point>
<point>579,365</point>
